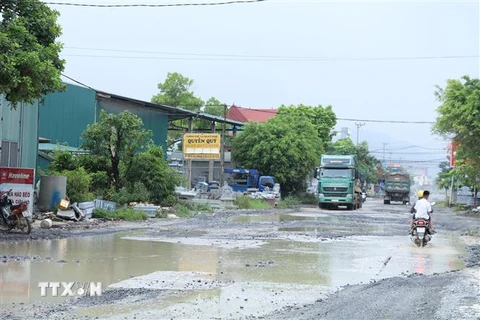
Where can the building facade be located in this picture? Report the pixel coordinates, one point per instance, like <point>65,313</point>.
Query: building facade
<point>18,134</point>
<point>65,115</point>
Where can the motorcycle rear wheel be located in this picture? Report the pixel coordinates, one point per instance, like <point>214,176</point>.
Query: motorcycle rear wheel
<point>23,224</point>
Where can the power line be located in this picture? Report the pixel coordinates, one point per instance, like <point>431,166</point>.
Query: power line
<point>144,5</point>
<point>266,56</point>
<point>419,153</point>
<point>410,147</point>
<point>285,59</point>
<point>388,121</point>
<point>416,161</point>
<point>364,120</point>
<point>78,82</point>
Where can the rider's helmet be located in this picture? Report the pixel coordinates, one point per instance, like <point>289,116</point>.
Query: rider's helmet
<point>420,194</point>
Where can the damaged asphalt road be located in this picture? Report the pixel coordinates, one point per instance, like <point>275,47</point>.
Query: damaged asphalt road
<point>272,264</point>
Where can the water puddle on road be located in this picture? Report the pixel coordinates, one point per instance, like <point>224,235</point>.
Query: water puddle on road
<point>258,218</point>
<point>249,280</point>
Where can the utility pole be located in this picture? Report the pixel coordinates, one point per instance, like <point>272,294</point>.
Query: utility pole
<point>359,125</point>
<point>189,161</point>
<point>222,146</point>
<point>384,145</point>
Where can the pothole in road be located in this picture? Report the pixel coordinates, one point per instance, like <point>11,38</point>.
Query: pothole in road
<point>281,271</point>
<point>283,217</point>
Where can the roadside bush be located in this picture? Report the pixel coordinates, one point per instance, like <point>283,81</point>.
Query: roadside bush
<point>63,161</point>
<point>170,200</point>
<point>78,184</point>
<point>151,169</point>
<point>306,198</point>
<point>289,202</point>
<point>127,214</point>
<point>161,213</point>
<point>99,184</point>
<point>245,202</point>
<point>203,207</point>
<point>135,193</point>
<point>183,210</point>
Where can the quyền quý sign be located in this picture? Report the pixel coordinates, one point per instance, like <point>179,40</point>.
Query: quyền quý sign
<point>201,146</point>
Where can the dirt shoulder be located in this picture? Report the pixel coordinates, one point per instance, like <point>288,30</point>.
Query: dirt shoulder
<point>92,227</point>
<point>452,295</point>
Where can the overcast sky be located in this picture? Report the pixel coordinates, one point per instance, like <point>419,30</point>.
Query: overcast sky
<point>360,89</point>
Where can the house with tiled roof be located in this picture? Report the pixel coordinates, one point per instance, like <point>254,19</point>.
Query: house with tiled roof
<point>250,114</point>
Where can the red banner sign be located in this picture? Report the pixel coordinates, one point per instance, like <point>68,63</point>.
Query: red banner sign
<point>17,175</point>
<point>20,181</point>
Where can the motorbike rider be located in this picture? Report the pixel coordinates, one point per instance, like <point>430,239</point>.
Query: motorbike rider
<point>423,210</point>
<point>419,196</point>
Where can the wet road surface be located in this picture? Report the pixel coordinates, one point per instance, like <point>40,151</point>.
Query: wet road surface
<point>231,267</point>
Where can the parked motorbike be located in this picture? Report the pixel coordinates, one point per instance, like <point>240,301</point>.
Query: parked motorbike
<point>14,216</point>
<point>421,234</point>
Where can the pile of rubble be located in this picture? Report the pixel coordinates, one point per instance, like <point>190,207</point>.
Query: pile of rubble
<point>66,212</point>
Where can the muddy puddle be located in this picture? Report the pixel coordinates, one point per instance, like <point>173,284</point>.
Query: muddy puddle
<point>230,281</point>
<point>303,216</point>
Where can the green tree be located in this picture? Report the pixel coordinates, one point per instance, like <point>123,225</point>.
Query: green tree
<point>176,91</point>
<point>62,160</point>
<point>286,147</point>
<point>214,107</point>
<point>343,147</point>
<point>444,177</point>
<point>459,118</point>
<point>367,164</point>
<point>116,137</point>
<point>151,169</point>
<point>323,118</point>
<point>30,66</point>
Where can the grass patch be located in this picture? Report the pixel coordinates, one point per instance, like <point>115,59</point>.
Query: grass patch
<point>184,209</point>
<point>289,202</point>
<point>203,207</point>
<point>460,207</point>
<point>306,198</point>
<point>126,214</point>
<point>245,202</point>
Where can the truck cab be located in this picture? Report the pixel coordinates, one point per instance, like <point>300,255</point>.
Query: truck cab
<point>244,180</point>
<point>338,182</point>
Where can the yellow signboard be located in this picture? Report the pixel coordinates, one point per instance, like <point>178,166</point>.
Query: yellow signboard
<point>201,146</point>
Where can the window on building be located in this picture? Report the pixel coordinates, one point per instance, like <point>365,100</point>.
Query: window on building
<point>10,154</point>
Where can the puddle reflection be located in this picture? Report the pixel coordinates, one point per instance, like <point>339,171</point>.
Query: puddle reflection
<point>110,259</point>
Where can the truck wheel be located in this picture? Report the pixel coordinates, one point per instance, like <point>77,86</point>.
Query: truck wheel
<point>386,201</point>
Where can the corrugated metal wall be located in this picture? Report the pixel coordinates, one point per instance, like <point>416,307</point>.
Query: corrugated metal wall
<point>154,120</point>
<point>19,134</point>
<point>29,135</point>
<point>65,115</point>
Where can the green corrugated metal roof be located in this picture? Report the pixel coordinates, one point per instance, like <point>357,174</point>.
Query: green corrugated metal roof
<point>53,146</point>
